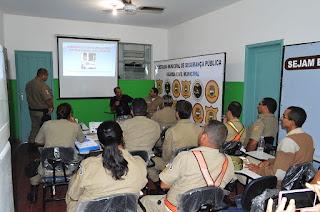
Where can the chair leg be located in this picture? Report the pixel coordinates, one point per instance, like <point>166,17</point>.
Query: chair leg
<point>44,199</point>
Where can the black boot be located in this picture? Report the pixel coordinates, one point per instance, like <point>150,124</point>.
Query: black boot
<point>33,195</point>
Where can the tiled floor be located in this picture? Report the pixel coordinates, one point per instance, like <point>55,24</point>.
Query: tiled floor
<point>21,184</point>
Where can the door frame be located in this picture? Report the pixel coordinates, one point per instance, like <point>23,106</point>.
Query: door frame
<point>51,85</point>
<point>250,49</point>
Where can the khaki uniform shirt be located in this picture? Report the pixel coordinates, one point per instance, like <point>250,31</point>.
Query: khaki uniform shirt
<point>266,125</point>
<point>60,132</point>
<point>38,92</point>
<point>153,105</point>
<point>140,133</point>
<point>296,148</point>
<point>184,133</point>
<point>184,174</point>
<point>94,181</point>
<point>165,117</point>
<point>232,133</point>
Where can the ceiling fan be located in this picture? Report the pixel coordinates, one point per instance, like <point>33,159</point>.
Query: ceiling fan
<point>131,8</point>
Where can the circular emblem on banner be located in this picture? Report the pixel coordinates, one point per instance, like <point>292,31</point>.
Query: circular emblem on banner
<point>211,113</point>
<point>212,91</point>
<point>176,88</point>
<point>159,86</point>
<point>185,89</point>
<point>197,113</point>
<point>167,86</point>
<point>197,90</point>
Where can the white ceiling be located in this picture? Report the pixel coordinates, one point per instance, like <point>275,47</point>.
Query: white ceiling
<point>175,12</point>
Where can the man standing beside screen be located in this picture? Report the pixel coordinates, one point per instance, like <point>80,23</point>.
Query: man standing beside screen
<point>40,101</point>
<point>119,104</point>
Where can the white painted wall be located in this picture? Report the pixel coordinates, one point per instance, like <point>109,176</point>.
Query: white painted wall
<point>38,34</point>
<point>1,28</point>
<point>247,22</point>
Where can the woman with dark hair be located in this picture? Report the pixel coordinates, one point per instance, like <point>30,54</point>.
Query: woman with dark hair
<point>61,132</point>
<point>56,133</point>
<point>115,171</point>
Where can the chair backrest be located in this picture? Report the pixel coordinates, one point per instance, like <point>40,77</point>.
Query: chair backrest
<point>194,199</point>
<point>255,188</point>
<point>143,154</point>
<point>163,133</point>
<point>186,148</point>
<point>269,140</point>
<point>113,203</point>
<point>59,157</point>
<point>297,175</point>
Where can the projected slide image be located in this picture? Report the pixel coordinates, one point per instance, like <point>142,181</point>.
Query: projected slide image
<point>89,59</point>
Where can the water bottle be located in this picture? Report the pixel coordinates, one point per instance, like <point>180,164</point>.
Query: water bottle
<point>261,146</point>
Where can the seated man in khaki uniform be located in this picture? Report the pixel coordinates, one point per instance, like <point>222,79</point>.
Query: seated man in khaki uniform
<point>184,133</point>
<point>236,131</point>
<point>297,147</point>
<point>184,173</point>
<point>266,125</point>
<point>140,132</point>
<point>153,101</point>
<point>166,117</point>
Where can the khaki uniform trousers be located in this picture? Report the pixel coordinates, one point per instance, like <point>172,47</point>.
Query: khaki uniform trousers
<point>153,203</point>
<point>36,117</point>
<point>153,171</point>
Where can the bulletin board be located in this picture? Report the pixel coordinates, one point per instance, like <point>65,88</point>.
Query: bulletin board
<point>199,80</point>
<point>301,87</point>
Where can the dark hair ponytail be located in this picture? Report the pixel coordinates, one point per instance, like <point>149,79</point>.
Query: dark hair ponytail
<point>110,135</point>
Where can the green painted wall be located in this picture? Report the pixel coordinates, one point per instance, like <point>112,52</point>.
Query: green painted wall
<point>13,108</point>
<point>233,92</point>
<point>87,110</point>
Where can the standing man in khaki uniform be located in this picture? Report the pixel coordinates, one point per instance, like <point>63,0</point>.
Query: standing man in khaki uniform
<point>166,117</point>
<point>183,134</point>
<point>296,148</point>
<point>40,101</point>
<point>153,101</point>
<point>185,174</point>
<point>266,125</point>
<point>236,130</point>
<point>140,132</point>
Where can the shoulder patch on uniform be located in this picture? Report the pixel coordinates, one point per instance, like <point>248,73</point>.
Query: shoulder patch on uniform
<point>256,125</point>
<point>166,169</point>
<point>47,92</point>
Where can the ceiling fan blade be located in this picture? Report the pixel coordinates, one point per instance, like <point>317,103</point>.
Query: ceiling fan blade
<point>127,1</point>
<point>111,10</point>
<point>151,9</point>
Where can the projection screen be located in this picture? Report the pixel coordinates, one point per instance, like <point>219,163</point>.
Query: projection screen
<point>88,68</point>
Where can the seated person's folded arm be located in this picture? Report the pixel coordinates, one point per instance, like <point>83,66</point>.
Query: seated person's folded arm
<point>252,145</point>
